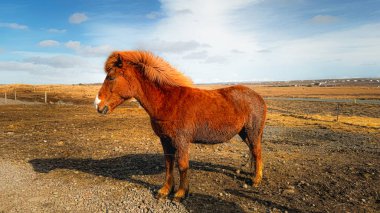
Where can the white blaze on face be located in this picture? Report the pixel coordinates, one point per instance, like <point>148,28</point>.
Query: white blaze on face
<point>97,101</point>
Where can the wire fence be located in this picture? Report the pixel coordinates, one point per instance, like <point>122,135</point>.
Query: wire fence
<point>312,112</point>
<point>75,94</point>
<point>83,95</point>
<point>37,97</point>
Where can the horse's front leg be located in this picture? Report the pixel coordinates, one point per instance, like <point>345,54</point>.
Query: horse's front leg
<point>183,166</point>
<point>168,186</point>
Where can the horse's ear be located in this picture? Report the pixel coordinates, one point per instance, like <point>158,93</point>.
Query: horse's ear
<point>119,61</point>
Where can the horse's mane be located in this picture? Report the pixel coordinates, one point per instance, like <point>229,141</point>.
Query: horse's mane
<point>153,67</point>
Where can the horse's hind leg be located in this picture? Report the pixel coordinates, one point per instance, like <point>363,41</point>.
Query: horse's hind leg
<point>252,135</point>
<point>256,153</point>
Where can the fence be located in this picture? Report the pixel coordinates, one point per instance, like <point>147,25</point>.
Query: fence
<point>6,97</point>
<point>355,113</point>
<point>49,94</point>
<point>61,95</point>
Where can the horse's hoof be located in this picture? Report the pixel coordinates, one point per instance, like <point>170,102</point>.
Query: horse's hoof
<point>178,199</point>
<point>163,192</point>
<point>180,196</point>
<point>256,183</point>
<point>160,196</point>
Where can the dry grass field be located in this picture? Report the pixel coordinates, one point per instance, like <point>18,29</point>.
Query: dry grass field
<point>83,94</point>
<point>343,92</point>
<point>63,156</point>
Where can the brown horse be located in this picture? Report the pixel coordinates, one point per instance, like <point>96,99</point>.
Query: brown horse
<point>181,114</point>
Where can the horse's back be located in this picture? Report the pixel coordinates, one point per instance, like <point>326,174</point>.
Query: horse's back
<point>243,96</point>
<point>245,101</point>
<point>217,115</point>
<point>235,99</point>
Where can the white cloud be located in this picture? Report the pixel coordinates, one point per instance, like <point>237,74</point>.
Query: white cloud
<point>41,67</point>
<point>59,61</point>
<point>205,22</point>
<point>236,51</point>
<point>353,46</point>
<point>334,54</point>
<point>214,29</point>
<point>102,50</point>
<point>78,18</point>
<point>196,55</point>
<point>159,14</point>
<point>203,56</point>
<point>216,59</point>
<point>187,28</point>
<point>53,30</point>
<point>22,72</point>
<point>48,43</point>
<point>154,15</point>
<point>88,50</point>
<point>215,41</point>
<point>263,51</point>
<point>324,19</point>
<point>18,66</point>
<point>14,26</point>
<point>183,12</point>
<point>157,45</point>
<point>73,45</point>
<point>212,40</point>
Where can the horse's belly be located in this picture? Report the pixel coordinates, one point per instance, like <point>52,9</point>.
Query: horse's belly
<point>211,141</point>
<point>207,135</point>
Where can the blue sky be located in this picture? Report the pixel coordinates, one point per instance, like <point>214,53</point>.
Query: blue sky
<point>64,41</point>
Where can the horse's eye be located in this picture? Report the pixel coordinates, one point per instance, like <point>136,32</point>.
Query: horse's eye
<point>110,78</point>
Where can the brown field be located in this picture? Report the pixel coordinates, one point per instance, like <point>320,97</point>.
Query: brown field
<point>64,157</point>
<point>343,92</point>
<point>84,94</point>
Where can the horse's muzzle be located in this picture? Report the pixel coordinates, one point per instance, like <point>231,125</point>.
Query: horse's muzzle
<point>104,110</point>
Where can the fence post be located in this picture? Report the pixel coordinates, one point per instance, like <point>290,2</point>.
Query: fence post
<point>337,112</point>
<point>45,97</point>
<point>5,97</point>
<point>15,95</point>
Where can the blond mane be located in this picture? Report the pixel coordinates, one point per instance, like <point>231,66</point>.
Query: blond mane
<point>153,67</point>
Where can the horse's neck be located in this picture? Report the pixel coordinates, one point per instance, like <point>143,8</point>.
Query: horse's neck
<point>153,97</point>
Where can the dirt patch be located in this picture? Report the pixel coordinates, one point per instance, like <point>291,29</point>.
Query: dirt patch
<point>69,158</point>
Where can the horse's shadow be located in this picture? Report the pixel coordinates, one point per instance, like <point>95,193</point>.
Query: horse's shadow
<point>128,166</point>
<point>264,202</point>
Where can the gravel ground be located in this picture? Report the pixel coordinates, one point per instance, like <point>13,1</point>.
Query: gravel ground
<point>70,159</point>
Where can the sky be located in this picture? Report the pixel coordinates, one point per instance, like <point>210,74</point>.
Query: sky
<point>67,41</point>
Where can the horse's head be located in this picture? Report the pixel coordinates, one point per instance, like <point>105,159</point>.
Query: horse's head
<point>116,88</point>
